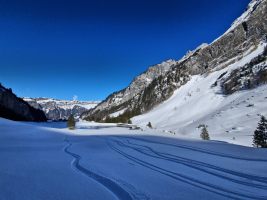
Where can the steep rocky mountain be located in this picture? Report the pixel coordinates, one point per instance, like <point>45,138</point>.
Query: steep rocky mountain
<point>229,102</point>
<point>159,82</point>
<point>55,109</point>
<point>15,108</point>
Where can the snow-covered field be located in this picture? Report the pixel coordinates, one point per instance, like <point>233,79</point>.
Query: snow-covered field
<point>102,161</point>
<point>231,118</point>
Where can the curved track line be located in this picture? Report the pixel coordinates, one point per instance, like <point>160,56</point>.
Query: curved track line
<point>199,150</point>
<point>203,167</point>
<point>189,180</point>
<point>110,185</point>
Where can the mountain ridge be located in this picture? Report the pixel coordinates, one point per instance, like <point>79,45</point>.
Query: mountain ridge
<point>56,109</point>
<point>243,37</point>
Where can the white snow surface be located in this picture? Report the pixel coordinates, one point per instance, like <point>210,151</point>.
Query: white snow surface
<point>116,114</point>
<point>102,161</point>
<point>231,118</point>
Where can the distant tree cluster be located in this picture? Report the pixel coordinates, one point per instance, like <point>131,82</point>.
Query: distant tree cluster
<point>71,122</point>
<point>204,132</point>
<point>149,125</point>
<point>260,134</point>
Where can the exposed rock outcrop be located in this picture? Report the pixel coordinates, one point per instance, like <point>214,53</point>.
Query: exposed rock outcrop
<point>14,108</point>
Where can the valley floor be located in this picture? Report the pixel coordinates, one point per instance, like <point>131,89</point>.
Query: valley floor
<point>100,161</point>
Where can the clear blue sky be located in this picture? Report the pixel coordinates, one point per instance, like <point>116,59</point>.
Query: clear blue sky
<point>61,48</point>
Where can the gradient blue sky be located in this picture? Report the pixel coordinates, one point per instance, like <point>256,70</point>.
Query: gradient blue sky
<point>61,48</point>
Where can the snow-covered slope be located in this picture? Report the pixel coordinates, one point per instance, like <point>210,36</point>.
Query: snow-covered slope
<point>231,118</point>
<point>105,162</point>
<point>61,109</point>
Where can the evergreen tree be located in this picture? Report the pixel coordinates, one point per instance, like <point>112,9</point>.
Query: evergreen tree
<point>204,133</point>
<point>71,122</point>
<point>129,121</point>
<point>149,125</point>
<point>260,134</point>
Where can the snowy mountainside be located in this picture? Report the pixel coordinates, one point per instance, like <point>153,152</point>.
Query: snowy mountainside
<point>232,118</point>
<point>245,35</point>
<point>61,109</point>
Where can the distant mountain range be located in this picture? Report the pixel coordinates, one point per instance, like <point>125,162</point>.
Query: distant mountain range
<point>55,109</point>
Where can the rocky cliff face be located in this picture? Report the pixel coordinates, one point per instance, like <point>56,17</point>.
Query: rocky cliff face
<point>55,109</point>
<point>14,108</point>
<point>248,76</point>
<point>159,82</point>
<point>122,99</point>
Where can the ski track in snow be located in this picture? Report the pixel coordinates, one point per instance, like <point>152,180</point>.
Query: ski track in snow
<point>193,164</point>
<point>245,180</point>
<point>110,185</point>
<point>199,150</point>
<point>125,165</point>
